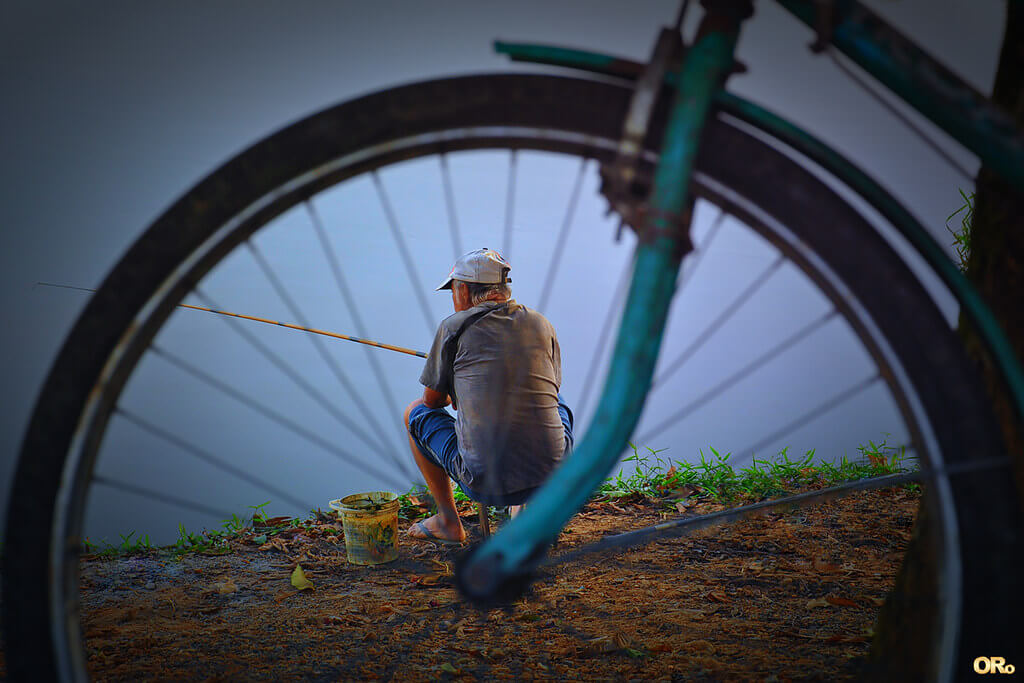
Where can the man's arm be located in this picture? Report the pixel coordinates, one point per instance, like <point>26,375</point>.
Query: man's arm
<point>435,399</point>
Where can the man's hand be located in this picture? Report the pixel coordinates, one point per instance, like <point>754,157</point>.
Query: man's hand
<point>435,399</point>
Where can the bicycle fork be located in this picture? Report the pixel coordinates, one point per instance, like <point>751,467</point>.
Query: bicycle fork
<point>498,570</point>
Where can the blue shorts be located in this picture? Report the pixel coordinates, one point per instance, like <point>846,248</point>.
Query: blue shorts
<point>433,430</point>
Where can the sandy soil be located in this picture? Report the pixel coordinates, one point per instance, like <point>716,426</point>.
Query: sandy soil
<point>786,596</point>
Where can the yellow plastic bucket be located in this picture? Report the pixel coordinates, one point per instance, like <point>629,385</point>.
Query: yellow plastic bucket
<point>370,521</point>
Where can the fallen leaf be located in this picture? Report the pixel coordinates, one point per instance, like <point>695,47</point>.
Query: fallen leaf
<point>699,646</point>
<point>842,602</point>
<point>794,634</point>
<point>824,566</point>
<point>274,544</point>
<point>430,580</point>
<point>842,638</point>
<point>752,566</point>
<point>299,579</point>
<point>668,475</point>
<point>275,521</point>
<point>599,645</point>
<point>448,668</point>
<point>444,569</point>
<point>718,596</point>
<point>817,602</point>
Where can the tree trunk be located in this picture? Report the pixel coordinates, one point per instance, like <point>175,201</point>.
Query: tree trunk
<point>907,623</point>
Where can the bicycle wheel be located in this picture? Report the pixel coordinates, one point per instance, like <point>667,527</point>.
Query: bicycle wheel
<point>915,355</point>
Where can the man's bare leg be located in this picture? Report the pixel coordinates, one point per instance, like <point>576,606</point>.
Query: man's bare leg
<point>446,523</point>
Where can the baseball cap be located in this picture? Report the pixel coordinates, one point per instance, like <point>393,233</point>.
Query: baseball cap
<point>485,266</point>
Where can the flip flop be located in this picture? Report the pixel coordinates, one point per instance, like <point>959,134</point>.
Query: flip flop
<point>429,536</point>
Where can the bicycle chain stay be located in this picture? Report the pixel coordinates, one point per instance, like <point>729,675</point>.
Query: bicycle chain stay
<point>688,525</point>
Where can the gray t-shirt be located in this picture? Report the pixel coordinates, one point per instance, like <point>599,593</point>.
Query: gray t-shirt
<point>508,370</point>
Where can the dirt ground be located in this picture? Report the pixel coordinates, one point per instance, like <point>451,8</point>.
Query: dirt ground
<point>784,596</point>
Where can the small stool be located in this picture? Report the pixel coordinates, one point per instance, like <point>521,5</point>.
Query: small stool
<point>485,520</point>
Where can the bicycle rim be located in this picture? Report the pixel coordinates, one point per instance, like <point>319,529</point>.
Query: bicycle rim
<point>896,323</point>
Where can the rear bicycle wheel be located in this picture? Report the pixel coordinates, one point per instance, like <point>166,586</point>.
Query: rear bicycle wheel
<point>912,350</point>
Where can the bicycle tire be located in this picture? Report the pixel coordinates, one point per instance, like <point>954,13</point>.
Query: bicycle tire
<point>506,110</point>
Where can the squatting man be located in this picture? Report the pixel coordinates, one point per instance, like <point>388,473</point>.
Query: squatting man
<point>498,364</point>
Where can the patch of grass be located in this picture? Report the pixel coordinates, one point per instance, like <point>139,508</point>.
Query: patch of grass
<point>715,478</point>
<point>259,513</point>
<point>410,510</point>
<point>208,541</point>
<point>140,545</point>
<point>962,236</point>
<point>653,477</point>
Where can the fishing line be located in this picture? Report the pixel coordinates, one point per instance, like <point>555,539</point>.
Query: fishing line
<point>291,326</point>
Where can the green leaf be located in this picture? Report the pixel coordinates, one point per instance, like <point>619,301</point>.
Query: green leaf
<point>299,579</point>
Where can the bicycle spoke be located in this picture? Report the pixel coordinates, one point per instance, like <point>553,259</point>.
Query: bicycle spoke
<point>153,494</point>
<point>357,321</point>
<point>903,118</point>
<point>686,274</point>
<point>410,267</point>
<point>681,15</point>
<point>292,374</point>
<point>620,291</point>
<point>740,374</point>
<point>604,336</point>
<point>207,457</point>
<point>563,235</point>
<point>510,200</point>
<point>328,359</point>
<point>285,422</point>
<point>812,415</point>
<point>449,200</point>
<point>722,318</point>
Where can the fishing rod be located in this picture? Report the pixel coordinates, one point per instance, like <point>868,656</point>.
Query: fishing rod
<point>291,326</point>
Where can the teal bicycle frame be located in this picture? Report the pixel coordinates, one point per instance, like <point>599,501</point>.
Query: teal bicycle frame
<point>506,558</point>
